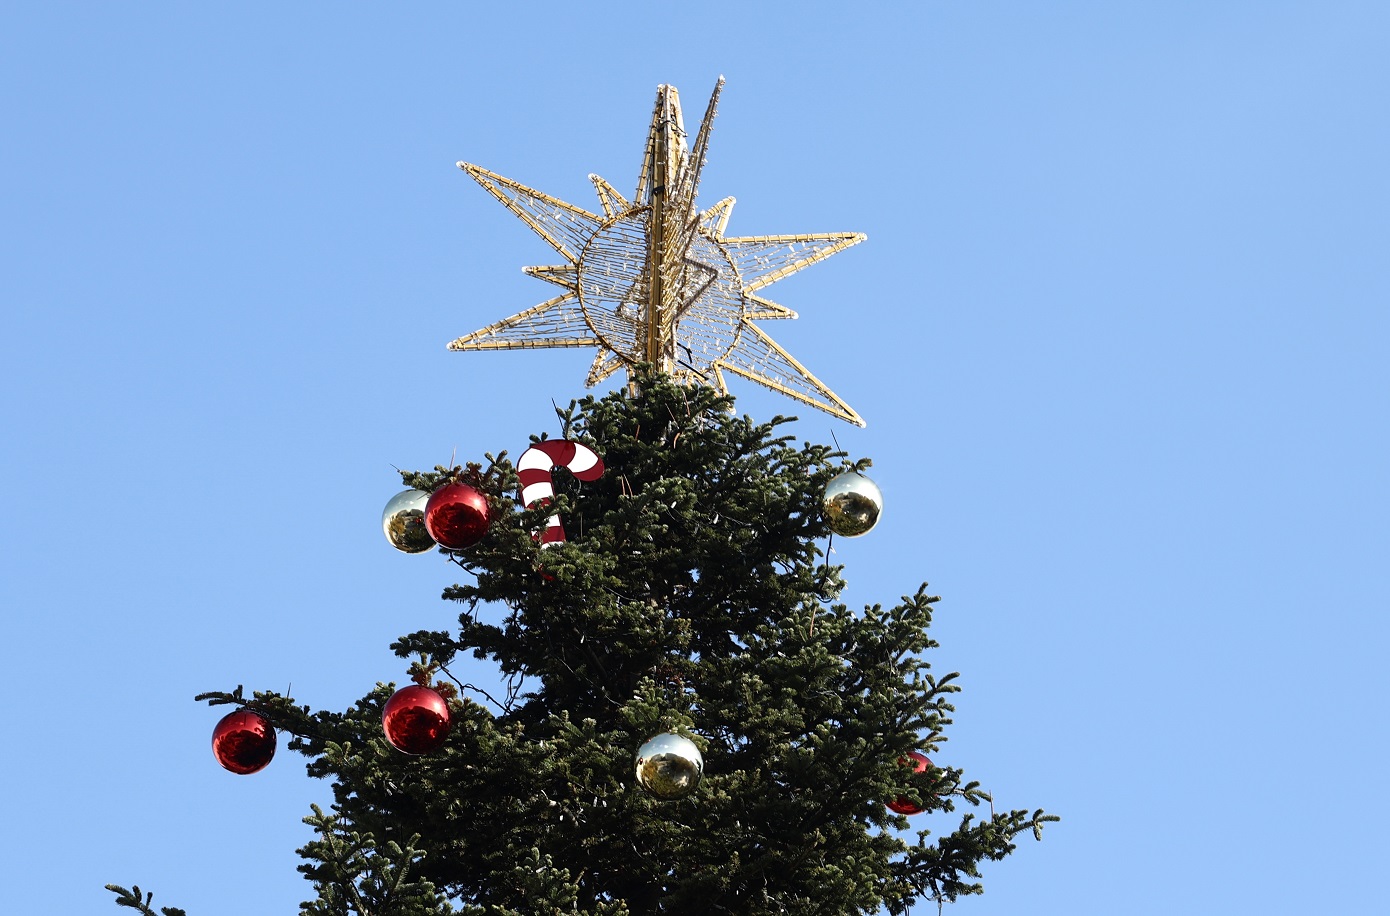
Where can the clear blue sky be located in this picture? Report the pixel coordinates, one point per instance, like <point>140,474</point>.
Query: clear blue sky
<point>1119,333</point>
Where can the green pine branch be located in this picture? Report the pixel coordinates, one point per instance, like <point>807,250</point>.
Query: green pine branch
<point>133,899</point>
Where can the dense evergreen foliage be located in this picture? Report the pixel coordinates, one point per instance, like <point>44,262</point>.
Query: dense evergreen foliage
<point>692,596</point>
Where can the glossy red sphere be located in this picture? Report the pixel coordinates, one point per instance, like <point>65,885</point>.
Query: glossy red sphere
<point>919,764</point>
<point>457,516</point>
<point>416,720</point>
<point>243,742</point>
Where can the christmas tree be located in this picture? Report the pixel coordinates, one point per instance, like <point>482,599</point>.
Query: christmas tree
<point>688,721</point>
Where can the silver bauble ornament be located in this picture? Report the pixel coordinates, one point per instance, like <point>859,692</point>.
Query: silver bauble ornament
<point>669,767</point>
<point>403,520</point>
<point>852,504</point>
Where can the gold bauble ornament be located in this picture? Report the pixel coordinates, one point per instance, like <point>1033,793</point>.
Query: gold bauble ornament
<point>403,520</point>
<point>669,767</point>
<point>852,504</point>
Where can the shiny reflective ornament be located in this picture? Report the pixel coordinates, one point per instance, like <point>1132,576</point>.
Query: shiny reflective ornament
<point>243,742</point>
<point>852,504</point>
<point>669,767</point>
<point>403,520</point>
<point>415,720</point>
<point>457,516</point>
<point>919,764</point>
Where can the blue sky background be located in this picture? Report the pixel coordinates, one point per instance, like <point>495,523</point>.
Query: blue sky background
<point>1119,332</point>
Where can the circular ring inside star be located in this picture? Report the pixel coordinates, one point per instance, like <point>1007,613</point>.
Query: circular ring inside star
<point>704,285</point>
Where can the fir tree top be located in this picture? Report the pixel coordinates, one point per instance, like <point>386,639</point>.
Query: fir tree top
<point>693,596</point>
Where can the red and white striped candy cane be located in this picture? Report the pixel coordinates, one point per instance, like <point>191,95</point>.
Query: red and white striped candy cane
<point>537,483</point>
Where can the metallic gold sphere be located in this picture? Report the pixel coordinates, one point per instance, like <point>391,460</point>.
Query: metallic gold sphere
<point>403,520</point>
<point>669,767</point>
<point>852,504</point>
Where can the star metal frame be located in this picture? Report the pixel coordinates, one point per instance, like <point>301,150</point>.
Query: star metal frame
<point>655,280</point>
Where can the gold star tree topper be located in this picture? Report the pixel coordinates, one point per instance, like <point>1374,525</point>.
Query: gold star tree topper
<point>654,280</point>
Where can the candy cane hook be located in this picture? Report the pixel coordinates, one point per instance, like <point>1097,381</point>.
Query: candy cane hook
<point>534,470</point>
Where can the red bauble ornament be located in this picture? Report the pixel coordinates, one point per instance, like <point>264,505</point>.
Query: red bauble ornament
<point>919,764</point>
<point>243,742</point>
<point>457,516</point>
<point>416,720</point>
